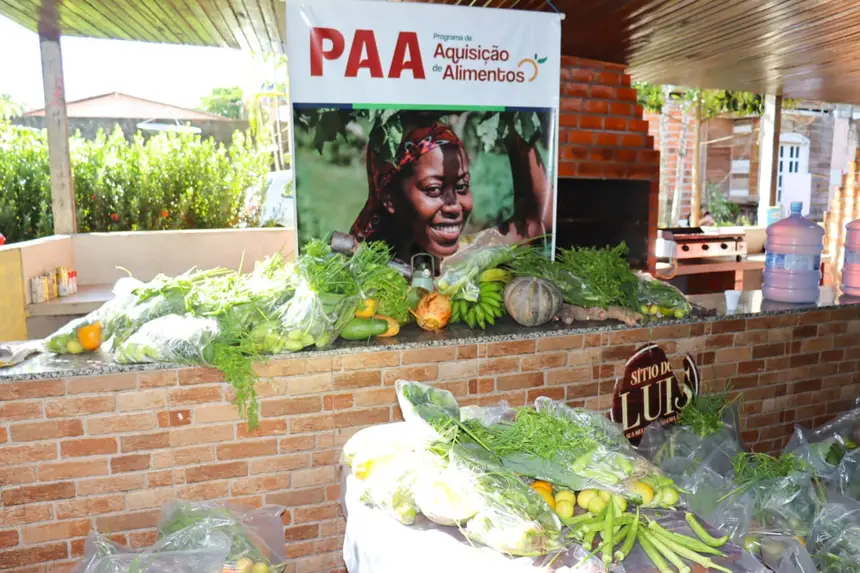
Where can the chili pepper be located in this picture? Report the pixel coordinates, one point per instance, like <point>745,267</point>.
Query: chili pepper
<point>702,533</point>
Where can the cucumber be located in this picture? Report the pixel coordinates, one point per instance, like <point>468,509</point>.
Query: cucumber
<point>363,328</point>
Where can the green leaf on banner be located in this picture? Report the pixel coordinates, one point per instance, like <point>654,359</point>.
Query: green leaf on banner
<point>528,126</point>
<point>488,132</point>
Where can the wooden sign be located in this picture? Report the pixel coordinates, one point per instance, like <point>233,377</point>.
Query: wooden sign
<point>650,391</point>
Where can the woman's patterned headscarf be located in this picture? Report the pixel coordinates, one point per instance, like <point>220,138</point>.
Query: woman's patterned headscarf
<point>380,172</point>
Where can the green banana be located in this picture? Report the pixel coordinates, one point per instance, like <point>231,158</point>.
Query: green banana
<point>470,317</point>
<point>494,275</point>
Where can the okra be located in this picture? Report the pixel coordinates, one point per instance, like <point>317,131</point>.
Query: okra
<point>653,555</point>
<point>607,534</point>
<point>693,544</point>
<point>666,552</point>
<point>630,540</point>
<point>692,555</point>
<point>703,534</point>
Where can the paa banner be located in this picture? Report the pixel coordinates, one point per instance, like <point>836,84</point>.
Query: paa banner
<point>429,127</point>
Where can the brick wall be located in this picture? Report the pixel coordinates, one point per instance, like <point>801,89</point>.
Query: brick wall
<point>602,131</point>
<point>669,172</point>
<point>107,452</point>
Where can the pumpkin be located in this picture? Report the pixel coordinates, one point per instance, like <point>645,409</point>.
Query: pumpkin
<point>532,301</point>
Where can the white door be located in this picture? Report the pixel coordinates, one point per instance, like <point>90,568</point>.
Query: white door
<point>793,159</point>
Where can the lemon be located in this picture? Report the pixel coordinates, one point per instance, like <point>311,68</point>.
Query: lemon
<point>620,503</point>
<point>565,495</point>
<point>596,505</point>
<point>644,490</point>
<point>585,497</point>
<point>564,509</point>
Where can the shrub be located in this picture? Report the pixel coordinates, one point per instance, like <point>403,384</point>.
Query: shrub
<point>167,181</point>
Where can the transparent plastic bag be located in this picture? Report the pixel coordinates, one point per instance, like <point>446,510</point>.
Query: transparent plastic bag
<point>311,318</point>
<point>174,339</point>
<point>848,475</point>
<point>737,559</point>
<point>835,538</point>
<point>459,273</point>
<point>256,535</point>
<point>825,447</point>
<point>786,505</point>
<point>673,448</point>
<point>707,494</point>
<point>782,554</point>
<point>190,550</point>
<point>121,325</point>
<point>433,413</point>
<point>659,298</point>
<point>124,298</point>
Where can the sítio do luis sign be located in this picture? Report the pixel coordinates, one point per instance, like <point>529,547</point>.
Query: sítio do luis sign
<point>650,392</point>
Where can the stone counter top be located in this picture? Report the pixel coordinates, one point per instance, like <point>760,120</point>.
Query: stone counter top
<point>711,307</point>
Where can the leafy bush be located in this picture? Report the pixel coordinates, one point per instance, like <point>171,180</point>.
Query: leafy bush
<point>168,181</point>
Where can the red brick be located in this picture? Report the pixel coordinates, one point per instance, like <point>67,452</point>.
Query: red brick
<point>31,389</point>
<point>608,139</point>
<point>414,373</point>
<point>157,378</point>
<point>560,343</point>
<point>544,361</point>
<point>278,368</point>
<point>568,119</point>
<point>21,514</point>
<point>31,431</point>
<point>11,411</point>
<point>603,92</point>
<point>173,418</point>
<point>11,455</point>
<point>596,106</point>
<point>316,512</point>
<point>15,475</point>
<point>376,397</point>
<point>52,471</point>
<point>98,384</point>
<point>265,428</point>
<point>113,484</point>
<point>194,395</point>
<point>314,423</point>
<point>516,381</point>
<point>509,348</point>
<point>191,376</point>
<point>337,401</point>
<point>68,407</point>
<point>609,78</point>
<point>568,375</point>
<point>37,493</point>
<point>87,447</point>
<point>768,350</point>
<point>297,497</point>
<point>32,555</point>
<point>590,122</point>
<point>590,169</point>
<point>239,450</point>
<point>498,365</point>
<point>128,521</point>
<point>625,109</point>
<point>632,140</point>
<point>281,463</point>
<point>290,406</point>
<point>481,385</point>
<point>426,355</point>
<point>216,471</point>
<point>193,435</point>
<point>721,326</point>
<point>576,90</point>
<point>366,360</point>
<point>638,125</point>
<point>300,532</point>
<point>367,417</point>
<point>121,423</point>
<point>581,75</point>
<point>56,531</point>
<point>130,463</point>
<point>578,137</point>
<point>552,393</point>
<point>570,104</point>
<point>139,442</point>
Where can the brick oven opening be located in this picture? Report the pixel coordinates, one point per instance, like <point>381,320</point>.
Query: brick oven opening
<point>604,212</point>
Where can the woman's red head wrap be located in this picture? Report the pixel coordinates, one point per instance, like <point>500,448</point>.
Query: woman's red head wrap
<point>380,173</point>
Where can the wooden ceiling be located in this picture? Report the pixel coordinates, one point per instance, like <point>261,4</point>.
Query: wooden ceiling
<point>807,49</point>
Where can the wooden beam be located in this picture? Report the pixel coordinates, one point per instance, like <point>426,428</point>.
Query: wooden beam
<point>768,155</point>
<point>696,191</point>
<point>57,126</point>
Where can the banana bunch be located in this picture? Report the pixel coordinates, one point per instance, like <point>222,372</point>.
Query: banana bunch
<point>490,304</point>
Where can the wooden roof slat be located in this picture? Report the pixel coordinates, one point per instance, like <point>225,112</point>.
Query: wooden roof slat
<point>197,20</point>
<point>258,23</point>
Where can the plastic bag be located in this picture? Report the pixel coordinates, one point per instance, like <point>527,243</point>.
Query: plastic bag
<point>311,318</point>
<point>65,340</point>
<point>459,272</point>
<point>195,549</point>
<point>848,475</point>
<point>835,538</point>
<point>174,339</point>
<point>782,554</point>
<point>706,493</point>
<point>432,413</point>
<point>658,298</point>
<point>786,505</point>
<point>256,535</point>
<point>678,449</point>
<point>121,325</point>
<point>826,446</point>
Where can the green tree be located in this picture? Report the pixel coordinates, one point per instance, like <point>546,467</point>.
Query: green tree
<point>227,102</point>
<point>9,108</point>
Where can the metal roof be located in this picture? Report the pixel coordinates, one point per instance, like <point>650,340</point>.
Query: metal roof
<point>805,49</point>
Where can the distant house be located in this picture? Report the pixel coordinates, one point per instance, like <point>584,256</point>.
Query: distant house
<point>813,153</point>
<point>133,114</point>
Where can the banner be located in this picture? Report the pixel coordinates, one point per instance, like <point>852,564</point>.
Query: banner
<point>425,126</point>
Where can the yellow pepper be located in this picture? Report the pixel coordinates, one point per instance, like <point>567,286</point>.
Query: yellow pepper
<point>367,309</point>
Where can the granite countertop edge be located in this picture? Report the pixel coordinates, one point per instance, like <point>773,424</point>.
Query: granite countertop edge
<point>50,367</point>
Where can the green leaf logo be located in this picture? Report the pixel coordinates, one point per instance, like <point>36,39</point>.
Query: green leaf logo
<point>541,60</point>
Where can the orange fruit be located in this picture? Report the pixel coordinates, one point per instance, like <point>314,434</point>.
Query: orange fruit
<point>547,496</point>
<point>546,486</point>
<point>90,336</point>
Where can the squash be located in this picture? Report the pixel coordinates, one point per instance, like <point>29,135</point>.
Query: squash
<point>532,301</point>
<point>393,326</point>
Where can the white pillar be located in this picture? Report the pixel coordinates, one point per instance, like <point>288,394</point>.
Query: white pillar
<point>768,155</point>
<point>57,126</point>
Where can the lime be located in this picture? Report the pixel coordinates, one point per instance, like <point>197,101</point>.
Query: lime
<point>565,495</point>
<point>585,497</point>
<point>564,509</point>
<point>596,505</point>
<point>620,502</point>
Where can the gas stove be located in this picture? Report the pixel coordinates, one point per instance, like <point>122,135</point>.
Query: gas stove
<point>693,243</point>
